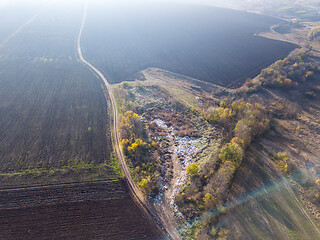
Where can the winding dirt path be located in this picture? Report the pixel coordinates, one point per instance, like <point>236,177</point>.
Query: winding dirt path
<point>135,192</point>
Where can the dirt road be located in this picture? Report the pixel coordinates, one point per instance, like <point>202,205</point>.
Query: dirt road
<point>135,192</point>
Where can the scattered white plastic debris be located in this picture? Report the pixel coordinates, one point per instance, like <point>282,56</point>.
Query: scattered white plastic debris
<point>160,123</point>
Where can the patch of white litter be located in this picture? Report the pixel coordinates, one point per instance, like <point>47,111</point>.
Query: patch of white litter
<point>160,123</point>
<point>184,148</point>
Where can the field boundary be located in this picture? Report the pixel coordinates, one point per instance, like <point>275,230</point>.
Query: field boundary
<point>54,185</point>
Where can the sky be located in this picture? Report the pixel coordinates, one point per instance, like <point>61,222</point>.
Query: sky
<point>11,2</point>
<point>206,2</point>
<point>236,4</point>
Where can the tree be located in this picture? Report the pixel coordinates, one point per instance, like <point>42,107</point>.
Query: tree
<point>238,141</point>
<point>136,148</point>
<point>242,131</point>
<point>231,152</point>
<point>130,125</point>
<point>124,144</point>
<point>125,85</point>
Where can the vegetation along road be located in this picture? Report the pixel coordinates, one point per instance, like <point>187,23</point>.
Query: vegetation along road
<point>136,193</point>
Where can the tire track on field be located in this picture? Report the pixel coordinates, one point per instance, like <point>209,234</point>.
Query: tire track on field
<point>302,209</point>
<point>19,30</point>
<point>300,206</point>
<point>135,192</point>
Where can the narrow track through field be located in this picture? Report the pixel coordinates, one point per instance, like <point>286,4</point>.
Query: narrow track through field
<point>135,192</point>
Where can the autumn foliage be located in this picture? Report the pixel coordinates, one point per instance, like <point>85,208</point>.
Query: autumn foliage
<point>281,159</point>
<point>288,73</point>
<point>139,152</point>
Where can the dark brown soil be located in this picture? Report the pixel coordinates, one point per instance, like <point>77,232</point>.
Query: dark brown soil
<point>90,216</point>
<point>211,44</point>
<point>49,195</point>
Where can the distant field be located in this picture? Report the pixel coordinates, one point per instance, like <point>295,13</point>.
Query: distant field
<point>54,119</point>
<point>210,44</point>
<point>52,34</point>
<point>14,16</point>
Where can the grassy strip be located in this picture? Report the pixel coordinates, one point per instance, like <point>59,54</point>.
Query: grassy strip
<point>76,173</point>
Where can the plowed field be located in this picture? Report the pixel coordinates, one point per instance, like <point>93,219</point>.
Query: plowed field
<point>101,210</point>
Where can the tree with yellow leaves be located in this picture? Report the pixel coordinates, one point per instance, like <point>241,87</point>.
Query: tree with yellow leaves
<point>231,152</point>
<point>281,159</point>
<point>130,125</point>
<point>134,146</point>
<point>192,169</point>
<point>209,201</point>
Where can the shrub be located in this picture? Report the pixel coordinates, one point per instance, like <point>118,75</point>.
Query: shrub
<point>144,185</point>
<point>152,145</point>
<point>309,75</point>
<point>287,82</point>
<point>149,184</point>
<point>192,169</point>
<point>281,159</point>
